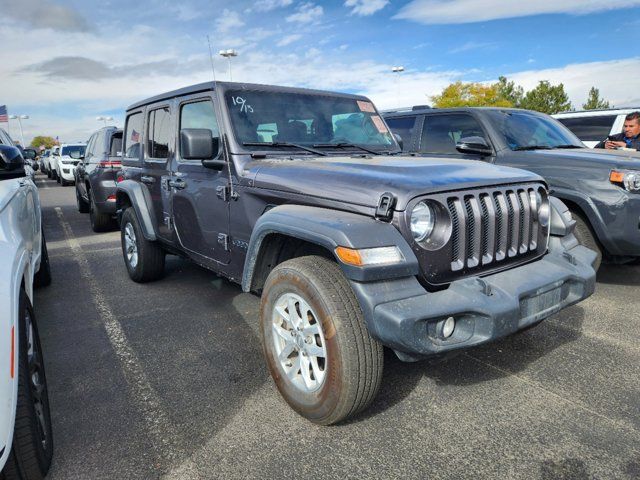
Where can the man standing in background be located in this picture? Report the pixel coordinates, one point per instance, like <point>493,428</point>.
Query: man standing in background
<point>630,136</point>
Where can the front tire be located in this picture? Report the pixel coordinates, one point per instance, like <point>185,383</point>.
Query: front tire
<point>318,350</point>
<point>144,259</point>
<point>83,207</point>
<point>585,237</point>
<point>32,448</point>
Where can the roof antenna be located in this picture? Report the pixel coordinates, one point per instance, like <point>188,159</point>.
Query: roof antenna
<point>213,70</point>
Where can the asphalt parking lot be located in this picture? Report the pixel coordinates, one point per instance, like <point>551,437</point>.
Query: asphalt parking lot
<point>167,380</point>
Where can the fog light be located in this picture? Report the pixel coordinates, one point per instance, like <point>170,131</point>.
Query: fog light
<point>448,327</point>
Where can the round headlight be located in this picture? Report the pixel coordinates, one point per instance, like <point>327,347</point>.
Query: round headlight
<point>422,221</point>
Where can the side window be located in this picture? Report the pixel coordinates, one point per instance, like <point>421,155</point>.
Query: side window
<point>158,133</point>
<point>441,132</point>
<point>200,115</point>
<point>403,126</point>
<point>115,148</point>
<point>89,151</point>
<point>98,144</point>
<point>133,136</point>
<point>590,129</point>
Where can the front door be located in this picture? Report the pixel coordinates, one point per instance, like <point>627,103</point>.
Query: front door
<point>200,201</point>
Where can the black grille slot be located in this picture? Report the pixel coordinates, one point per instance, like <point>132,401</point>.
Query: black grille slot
<point>485,226</point>
<point>471,226</point>
<point>521,222</point>
<point>455,231</point>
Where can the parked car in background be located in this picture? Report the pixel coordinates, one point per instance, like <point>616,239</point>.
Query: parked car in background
<point>51,162</point>
<point>300,195</point>
<point>30,156</point>
<point>594,126</point>
<point>65,162</point>
<point>41,159</point>
<point>95,178</point>
<point>26,442</point>
<point>601,188</point>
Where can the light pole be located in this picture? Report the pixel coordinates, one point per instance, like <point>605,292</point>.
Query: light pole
<point>20,118</point>
<point>104,119</point>
<point>228,54</point>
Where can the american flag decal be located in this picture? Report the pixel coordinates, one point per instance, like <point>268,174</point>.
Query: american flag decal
<point>3,114</point>
<point>135,136</point>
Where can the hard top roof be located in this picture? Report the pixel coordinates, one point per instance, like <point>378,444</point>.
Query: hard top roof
<point>208,86</point>
<point>420,111</point>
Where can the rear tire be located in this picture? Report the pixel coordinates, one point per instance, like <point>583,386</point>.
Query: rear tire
<point>48,173</point>
<point>43,277</point>
<point>323,360</point>
<point>32,447</point>
<point>100,222</point>
<point>585,237</point>
<point>144,259</point>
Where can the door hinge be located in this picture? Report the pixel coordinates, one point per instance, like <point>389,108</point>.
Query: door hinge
<point>223,239</point>
<point>384,211</point>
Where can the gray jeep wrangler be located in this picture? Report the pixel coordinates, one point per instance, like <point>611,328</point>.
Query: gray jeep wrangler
<point>304,197</point>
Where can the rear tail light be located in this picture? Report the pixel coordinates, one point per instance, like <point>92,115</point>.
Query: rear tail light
<point>111,198</point>
<point>109,164</point>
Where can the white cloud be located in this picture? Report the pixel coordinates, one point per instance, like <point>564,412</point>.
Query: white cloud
<point>45,14</point>
<point>268,5</point>
<point>471,46</point>
<point>365,7</point>
<point>228,21</point>
<point>289,39</point>
<point>469,11</point>
<point>306,13</point>
<point>616,79</point>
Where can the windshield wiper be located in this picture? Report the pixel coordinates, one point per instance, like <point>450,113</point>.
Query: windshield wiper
<point>533,147</point>
<point>568,145</point>
<point>284,144</point>
<point>347,145</point>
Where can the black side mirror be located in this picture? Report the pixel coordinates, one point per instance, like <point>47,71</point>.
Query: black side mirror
<point>11,162</point>
<point>399,140</point>
<point>477,145</point>
<point>199,144</point>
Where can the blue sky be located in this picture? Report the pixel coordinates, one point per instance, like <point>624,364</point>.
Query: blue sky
<point>69,61</point>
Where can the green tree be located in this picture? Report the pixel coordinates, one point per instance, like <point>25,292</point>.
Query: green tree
<point>48,142</point>
<point>546,98</point>
<point>510,91</point>
<point>461,94</point>
<point>594,101</point>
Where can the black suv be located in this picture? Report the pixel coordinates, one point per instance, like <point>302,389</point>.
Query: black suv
<point>601,188</point>
<point>96,177</point>
<point>302,196</point>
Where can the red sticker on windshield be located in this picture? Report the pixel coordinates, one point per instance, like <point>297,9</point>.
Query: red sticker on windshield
<point>377,121</point>
<point>366,106</point>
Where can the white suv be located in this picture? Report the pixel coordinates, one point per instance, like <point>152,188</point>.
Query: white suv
<point>594,126</point>
<point>48,161</point>
<point>66,160</point>
<point>26,443</point>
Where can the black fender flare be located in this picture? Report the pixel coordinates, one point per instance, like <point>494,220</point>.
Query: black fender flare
<point>330,229</point>
<point>141,201</point>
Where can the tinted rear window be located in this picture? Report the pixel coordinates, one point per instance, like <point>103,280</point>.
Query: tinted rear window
<point>590,129</point>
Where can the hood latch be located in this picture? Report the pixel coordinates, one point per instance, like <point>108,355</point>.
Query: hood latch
<point>384,210</point>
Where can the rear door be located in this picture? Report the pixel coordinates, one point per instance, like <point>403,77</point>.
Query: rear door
<point>200,195</point>
<point>159,148</point>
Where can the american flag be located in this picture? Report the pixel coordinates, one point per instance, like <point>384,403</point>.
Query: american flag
<point>135,136</point>
<point>3,114</point>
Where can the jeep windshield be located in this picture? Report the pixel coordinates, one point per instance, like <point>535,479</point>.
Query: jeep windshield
<point>300,122</point>
<point>531,131</point>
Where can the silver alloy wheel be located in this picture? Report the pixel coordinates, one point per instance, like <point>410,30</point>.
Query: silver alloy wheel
<point>131,247</point>
<point>299,342</point>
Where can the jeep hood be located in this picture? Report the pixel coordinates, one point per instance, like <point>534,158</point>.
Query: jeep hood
<point>361,180</point>
<point>606,158</point>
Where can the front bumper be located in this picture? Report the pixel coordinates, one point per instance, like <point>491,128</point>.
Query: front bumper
<point>66,172</point>
<point>405,317</point>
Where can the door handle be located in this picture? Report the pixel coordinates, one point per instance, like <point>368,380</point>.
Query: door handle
<point>147,179</point>
<point>178,183</point>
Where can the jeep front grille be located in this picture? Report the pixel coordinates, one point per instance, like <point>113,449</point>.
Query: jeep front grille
<point>490,229</point>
